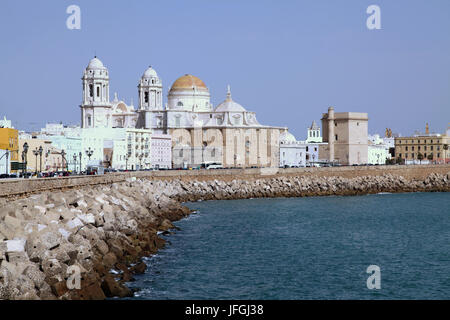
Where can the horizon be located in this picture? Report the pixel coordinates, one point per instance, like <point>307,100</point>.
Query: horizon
<point>313,55</point>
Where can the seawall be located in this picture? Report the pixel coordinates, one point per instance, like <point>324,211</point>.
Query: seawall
<point>21,187</point>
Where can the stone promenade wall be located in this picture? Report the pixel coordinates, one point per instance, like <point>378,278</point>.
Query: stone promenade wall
<point>20,187</point>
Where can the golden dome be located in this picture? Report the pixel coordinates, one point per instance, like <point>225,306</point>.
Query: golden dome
<point>188,82</point>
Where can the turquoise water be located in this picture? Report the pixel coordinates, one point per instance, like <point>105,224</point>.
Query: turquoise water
<point>306,248</point>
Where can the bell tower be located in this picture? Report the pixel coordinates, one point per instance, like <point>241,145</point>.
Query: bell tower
<point>95,107</point>
<point>150,105</point>
<point>150,91</point>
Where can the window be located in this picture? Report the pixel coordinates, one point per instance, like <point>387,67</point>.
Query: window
<point>412,148</point>
<point>89,121</point>
<point>425,148</point>
<point>438,155</point>
<point>98,91</point>
<point>336,136</point>
<point>177,122</point>
<point>91,90</point>
<point>406,155</point>
<point>406,148</point>
<point>146,97</point>
<point>180,104</point>
<point>306,149</point>
<point>431,148</point>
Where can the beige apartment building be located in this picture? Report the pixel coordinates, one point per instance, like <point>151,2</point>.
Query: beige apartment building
<point>347,137</point>
<point>51,157</point>
<point>431,146</point>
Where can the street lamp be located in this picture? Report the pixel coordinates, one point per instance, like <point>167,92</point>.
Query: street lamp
<point>47,153</point>
<point>127,156</point>
<point>24,159</point>
<point>140,161</point>
<point>75,162</point>
<point>36,152</point>
<point>40,158</point>
<point>79,155</point>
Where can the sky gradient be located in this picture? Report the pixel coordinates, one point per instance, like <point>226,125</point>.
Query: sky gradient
<point>286,60</point>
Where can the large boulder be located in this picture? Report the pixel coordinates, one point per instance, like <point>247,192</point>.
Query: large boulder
<point>111,288</point>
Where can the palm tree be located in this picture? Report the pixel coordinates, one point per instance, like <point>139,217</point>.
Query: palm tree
<point>420,157</point>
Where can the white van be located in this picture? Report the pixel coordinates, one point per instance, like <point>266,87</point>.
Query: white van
<point>211,165</point>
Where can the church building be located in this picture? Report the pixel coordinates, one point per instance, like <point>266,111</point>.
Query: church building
<point>227,134</point>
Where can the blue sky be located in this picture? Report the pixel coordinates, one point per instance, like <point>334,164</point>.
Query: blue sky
<point>286,60</point>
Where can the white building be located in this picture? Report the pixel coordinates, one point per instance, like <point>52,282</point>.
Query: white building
<point>161,151</point>
<point>58,129</point>
<point>6,123</point>
<point>292,152</point>
<point>378,149</point>
<point>312,144</point>
<point>72,146</point>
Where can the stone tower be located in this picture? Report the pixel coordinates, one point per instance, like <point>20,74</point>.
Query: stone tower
<point>95,106</point>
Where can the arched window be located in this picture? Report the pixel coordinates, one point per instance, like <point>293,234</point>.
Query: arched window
<point>180,104</point>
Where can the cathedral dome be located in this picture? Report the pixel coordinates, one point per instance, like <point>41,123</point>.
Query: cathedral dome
<point>229,105</point>
<point>150,73</point>
<point>188,82</point>
<point>287,137</point>
<point>95,64</point>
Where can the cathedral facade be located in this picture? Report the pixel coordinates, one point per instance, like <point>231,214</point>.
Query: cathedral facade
<point>227,134</point>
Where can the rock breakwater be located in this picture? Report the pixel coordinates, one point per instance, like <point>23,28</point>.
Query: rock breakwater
<point>102,232</point>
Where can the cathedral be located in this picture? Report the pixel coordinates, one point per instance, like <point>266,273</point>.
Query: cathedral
<point>227,134</point>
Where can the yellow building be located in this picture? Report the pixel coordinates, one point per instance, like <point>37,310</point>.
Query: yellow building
<point>9,141</point>
<point>421,147</point>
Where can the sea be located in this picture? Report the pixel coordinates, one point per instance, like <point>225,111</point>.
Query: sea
<point>377,246</point>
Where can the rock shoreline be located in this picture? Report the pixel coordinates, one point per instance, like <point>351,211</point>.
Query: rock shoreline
<point>104,231</point>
